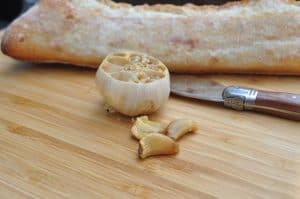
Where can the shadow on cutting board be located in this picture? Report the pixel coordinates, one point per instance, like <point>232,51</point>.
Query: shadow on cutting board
<point>25,67</point>
<point>269,82</point>
<point>70,77</point>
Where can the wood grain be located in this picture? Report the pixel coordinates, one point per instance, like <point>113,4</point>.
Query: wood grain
<point>57,141</point>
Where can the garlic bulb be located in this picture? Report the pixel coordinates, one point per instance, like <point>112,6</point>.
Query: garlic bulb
<point>133,83</point>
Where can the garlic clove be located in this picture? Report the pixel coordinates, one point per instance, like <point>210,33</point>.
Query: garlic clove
<point>143,127</point>
<point>180,127</point>
<point>157,144</point>
<point>133,83</point>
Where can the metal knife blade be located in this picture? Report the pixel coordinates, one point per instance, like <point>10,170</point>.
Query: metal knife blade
<point>197,88</point>
<point>285,105</point>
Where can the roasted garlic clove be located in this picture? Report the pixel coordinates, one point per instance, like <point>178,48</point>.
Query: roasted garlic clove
<point>133,83</point>
<point>143,127</point>
<point>157,144</point>
<point>180,127</point>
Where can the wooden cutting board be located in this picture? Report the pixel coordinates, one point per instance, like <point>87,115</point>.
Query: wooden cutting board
<point>57,141</point>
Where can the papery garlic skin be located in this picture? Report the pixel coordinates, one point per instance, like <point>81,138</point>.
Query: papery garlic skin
<point>133,98</point>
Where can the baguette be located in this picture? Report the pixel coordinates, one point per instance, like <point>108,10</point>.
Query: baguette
<point>249,36</point>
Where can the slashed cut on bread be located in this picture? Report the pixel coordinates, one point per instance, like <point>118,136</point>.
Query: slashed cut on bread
<point>250,36</point>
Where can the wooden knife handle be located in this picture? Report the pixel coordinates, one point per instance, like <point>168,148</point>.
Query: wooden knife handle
<point>286,105</point>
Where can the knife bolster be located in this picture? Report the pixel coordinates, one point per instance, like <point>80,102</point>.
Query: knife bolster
<point>239,98</point>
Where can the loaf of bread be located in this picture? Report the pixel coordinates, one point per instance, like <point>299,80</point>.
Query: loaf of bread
<point>249,36</point>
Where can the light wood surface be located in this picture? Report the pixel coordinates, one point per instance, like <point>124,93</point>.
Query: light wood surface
<point>57,141</point>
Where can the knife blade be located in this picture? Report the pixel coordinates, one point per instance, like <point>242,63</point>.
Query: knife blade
<point>286,105</point>
<point>197,88</point>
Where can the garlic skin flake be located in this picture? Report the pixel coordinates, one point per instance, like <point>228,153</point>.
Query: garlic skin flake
<point>133,83</point>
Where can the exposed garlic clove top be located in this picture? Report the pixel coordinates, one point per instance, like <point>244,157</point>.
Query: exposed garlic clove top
<point>133,83</point>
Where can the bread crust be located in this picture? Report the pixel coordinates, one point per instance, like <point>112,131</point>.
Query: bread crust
<point>261,36</point>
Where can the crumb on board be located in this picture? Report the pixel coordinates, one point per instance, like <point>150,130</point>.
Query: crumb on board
<point>109,109</point>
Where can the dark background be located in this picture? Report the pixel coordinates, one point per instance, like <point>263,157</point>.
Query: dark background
<point>176,2</point>
<point>10,9</point>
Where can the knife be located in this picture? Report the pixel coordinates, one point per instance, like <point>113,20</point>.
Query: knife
<point>285,105</point>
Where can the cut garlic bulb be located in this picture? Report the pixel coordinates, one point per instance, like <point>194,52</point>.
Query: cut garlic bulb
<point>133,83</point>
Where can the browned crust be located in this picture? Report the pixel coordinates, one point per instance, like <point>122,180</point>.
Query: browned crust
<point>11,46</point>
<point>4,44</point>
<point>46,56</point>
